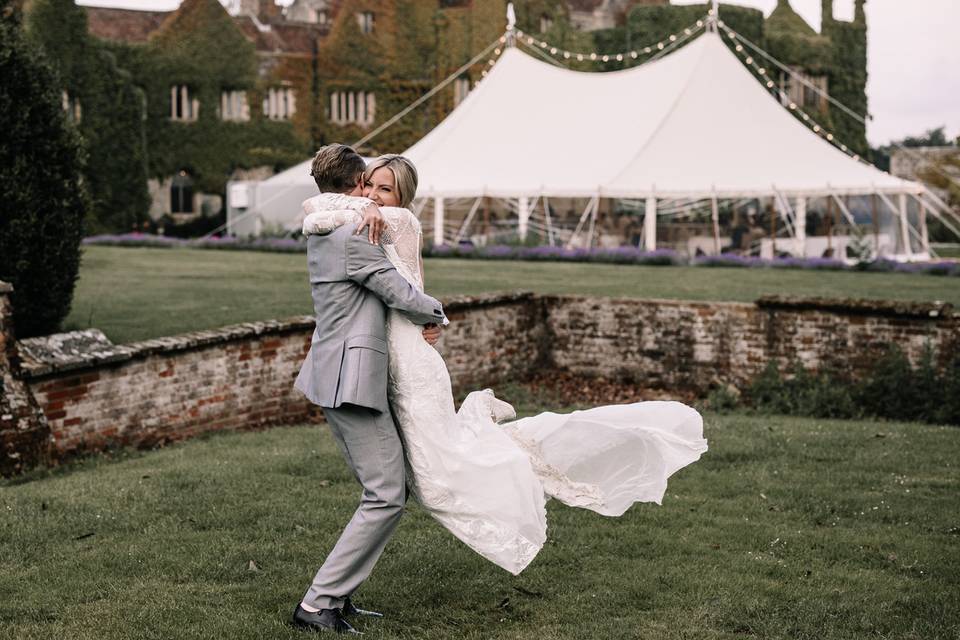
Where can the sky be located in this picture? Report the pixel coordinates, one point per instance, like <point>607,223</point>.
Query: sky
<point>914,70</point>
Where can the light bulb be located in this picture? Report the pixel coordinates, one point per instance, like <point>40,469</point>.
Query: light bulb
<point>566,54</point>
<point>660,45</point>
<point>606,58</point>
<point>497,51</point>
<point>580,57</point>
<point>633,54</point>
<point>553,50</point>
<point>593,56</point>
<point>619,57</point>
<point>673,38</point>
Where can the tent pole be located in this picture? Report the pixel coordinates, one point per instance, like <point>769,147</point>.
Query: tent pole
<point>583,218</point>
<point>650,224</point>
<point>546,213</point>
<point>876,224</point>
<point>523,212</point>
<point>437,222</point>
<point>904,225</point>
<point>924,232</point>
<point>936,213</point>
<point>846,214</point>
<point>593,223</point>
<point>468,219</point>
<point>715,219</point>
<point>829,222</point>
<point>800,237</point>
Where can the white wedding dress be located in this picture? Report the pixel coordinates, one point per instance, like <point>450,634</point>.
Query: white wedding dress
<point>487,480</point>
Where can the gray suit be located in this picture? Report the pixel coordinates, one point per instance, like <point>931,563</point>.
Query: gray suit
<point>353,283</point>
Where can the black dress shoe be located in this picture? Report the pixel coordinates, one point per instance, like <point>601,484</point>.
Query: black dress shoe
<point>325,620</point>
<point>349,609</point>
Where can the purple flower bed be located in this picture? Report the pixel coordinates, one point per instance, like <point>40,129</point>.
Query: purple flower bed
<point>732,260</point>
<point>617,255</point>
<point>134,240</point>
<point>282,245</point>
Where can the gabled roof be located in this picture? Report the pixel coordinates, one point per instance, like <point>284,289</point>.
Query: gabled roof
<point>134,26</point>
<point>784,20</point>
<point>124,25</point>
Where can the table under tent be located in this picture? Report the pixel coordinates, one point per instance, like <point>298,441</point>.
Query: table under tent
<point>690,151</point>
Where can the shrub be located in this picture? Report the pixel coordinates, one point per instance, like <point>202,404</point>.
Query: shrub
<point>894,389</point>
<point>43,198</point>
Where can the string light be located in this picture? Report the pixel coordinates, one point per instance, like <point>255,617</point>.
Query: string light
<point>597,56</point>
<point>813,124</point>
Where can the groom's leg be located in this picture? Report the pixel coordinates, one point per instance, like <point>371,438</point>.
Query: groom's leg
<point>371,446</point>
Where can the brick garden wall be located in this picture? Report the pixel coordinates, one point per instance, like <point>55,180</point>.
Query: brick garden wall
<point>677,344</point>
<point>95,395</point>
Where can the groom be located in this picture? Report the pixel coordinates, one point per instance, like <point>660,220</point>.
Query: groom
<point>353,283</point>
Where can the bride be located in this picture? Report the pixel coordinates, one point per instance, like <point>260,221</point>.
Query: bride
<point>481,474</point>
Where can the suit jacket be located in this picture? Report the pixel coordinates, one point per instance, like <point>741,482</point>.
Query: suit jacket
<point>353,283</point>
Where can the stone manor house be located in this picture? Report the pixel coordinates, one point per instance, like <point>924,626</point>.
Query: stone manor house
<point>240,89</point>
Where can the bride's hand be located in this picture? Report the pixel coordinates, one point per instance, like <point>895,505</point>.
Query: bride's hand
<point>431,333</point>
<point>373,221</point>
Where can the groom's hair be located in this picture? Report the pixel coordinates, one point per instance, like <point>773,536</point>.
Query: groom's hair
<point>336,168</point>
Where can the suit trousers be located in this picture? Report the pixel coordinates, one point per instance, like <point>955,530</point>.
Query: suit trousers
<point>372,448</point>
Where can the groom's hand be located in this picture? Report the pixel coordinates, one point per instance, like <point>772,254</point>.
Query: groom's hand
<point>373,221</point>
<point>431,333</point>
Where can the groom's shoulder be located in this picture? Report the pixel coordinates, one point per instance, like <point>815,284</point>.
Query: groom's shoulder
<point>337,237</point>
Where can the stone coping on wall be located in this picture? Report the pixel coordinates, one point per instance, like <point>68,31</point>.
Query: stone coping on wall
<point>77,350</point>
<point>857,306</point>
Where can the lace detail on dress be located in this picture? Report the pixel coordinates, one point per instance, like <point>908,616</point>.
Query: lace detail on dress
<point>328,211</point>
<point>486,482</point>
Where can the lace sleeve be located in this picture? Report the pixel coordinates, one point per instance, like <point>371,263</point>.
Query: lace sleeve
<point>323,222</point>
<point>323,213</point>
<point>403,232</point>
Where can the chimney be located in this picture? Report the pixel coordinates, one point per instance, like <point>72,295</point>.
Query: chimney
<point>269,11</point>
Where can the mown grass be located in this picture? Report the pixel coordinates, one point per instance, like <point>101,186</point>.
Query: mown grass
<point>139,293</point>
<point>787,528</point>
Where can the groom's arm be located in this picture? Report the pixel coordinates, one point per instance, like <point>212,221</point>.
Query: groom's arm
<point>368,266</point>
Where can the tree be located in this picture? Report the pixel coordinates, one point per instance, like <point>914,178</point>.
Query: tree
<point>42,196</point>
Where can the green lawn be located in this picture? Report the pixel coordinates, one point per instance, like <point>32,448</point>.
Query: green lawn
<point>136,293</point>
<point>787,528</point>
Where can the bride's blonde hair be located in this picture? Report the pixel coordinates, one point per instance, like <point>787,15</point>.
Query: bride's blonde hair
<point>404,175</point>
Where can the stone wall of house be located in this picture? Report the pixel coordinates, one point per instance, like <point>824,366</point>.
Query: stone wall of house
<point>95,395</point>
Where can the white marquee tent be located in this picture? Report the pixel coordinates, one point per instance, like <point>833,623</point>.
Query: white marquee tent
<point>692,124</point>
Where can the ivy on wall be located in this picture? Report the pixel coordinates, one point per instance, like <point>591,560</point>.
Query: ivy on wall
<point>110,113</point>
<point>201,48</point>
